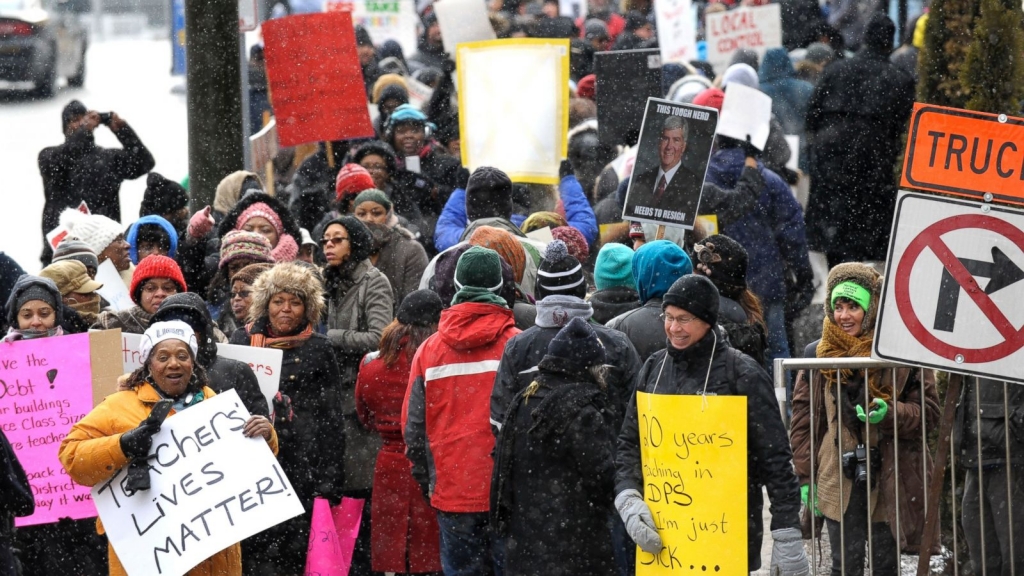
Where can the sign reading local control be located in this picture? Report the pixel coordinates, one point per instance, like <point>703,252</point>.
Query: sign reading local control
<point>953,297</point>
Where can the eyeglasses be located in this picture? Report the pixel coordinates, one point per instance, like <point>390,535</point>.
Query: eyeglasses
<point>336,240</point>
<point>376,168</point>
<point>243,294</point>
<point>681,320</point>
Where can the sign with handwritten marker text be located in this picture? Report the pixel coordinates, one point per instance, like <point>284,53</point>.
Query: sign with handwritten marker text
<point>694,455</point>
<point>211,487</point>
<point>45,387</point>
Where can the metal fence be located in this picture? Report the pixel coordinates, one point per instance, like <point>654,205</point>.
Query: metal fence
<point>936,439</point>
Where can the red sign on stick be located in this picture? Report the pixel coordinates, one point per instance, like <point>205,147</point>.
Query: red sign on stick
<point>316,83</point>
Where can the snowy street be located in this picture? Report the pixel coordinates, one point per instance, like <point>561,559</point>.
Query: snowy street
<point>129,76</point>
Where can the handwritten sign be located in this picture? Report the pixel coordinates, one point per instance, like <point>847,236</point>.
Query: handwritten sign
<point>758,28</point>
<point>113,291</point>
<point>45,387</point>
<point>383,19</point>
<point>265,362</point>
<point>677,35</point>
<point>315,77</point>
<point>694,454</point>
<point>211,487</point>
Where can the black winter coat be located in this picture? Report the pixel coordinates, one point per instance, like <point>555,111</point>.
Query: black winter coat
<point>855,119</point>
<point>80,170</point>
<point>769,458</point>
<point>612,302</point>
<point>985,397</point>
<point>551,492</point>
<point>644,328</point>
<point>227,374</point>
<point>16,499</point>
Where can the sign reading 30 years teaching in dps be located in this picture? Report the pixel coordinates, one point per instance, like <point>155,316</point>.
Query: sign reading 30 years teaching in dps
<point>694,455</point>
<point>672,159</point>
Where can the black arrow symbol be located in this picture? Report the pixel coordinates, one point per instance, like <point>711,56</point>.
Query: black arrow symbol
<point>1001,272</point>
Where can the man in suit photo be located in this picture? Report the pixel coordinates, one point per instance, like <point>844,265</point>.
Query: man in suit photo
<point>670,186</point>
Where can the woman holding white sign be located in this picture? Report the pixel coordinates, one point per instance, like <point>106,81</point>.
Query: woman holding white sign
<point>119,432</point>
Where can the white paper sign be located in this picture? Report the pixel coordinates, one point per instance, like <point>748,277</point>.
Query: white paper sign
<point>387,20</point>
<point>793,141</point>
<point>677,35</point>
<point>758,28</point>
<point>211,487</point>
<point>575,9</point>
<point>463,21</point>
<point>114,290</point>
<point>745,111</point>
<point>265,362</point>
<point>513,104</point>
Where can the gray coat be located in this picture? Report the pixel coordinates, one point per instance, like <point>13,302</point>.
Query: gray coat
<point>359,308</point>
<point>402,259</point>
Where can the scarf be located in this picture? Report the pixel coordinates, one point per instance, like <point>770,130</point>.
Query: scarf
<point>838,344</point>
<point>13,335</point>
<point>258,339</point>
<point>478,295</point>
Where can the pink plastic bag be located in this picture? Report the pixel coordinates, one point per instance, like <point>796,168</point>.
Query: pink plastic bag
<point>332,537</point>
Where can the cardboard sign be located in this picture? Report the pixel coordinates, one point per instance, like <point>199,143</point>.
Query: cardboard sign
<point>677,34</point>
<point>758,28</point>
<point>46,385</point>
<point>746,112</point>
<point>694,455</point>
<point>113,291</point>
<point>265,362</point>
<point>625,80</point>
<point>315,78</point>
<point>672,159</point>
<point>525,79</point>
<point>211,487</point>
<point>463,21</point>
<point>965,153</point>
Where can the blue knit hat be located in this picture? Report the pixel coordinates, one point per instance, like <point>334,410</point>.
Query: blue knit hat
<point>153,220</point>
<point>656,265</point>
<point>614,267</point>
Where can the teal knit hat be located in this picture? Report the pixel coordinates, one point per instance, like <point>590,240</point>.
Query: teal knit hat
<point>614,267</point>
<point>479,267</point>
<point>372,195</point>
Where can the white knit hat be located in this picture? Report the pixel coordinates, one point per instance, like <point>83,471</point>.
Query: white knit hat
<point>95,230</point>
<point>170,330</point>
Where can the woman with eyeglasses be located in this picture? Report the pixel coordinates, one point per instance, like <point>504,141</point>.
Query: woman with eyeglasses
<point>360,305</point>
<point>698,360</point>
<point>154,279</point>
<point>233,316</point>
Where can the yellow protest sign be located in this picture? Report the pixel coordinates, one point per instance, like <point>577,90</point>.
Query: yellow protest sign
<point>694,455</point>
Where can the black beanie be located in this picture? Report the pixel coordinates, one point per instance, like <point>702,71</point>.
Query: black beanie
<point>726,259</point>
<point>559,274</point>
<point>162,196</point>
<point>420,308</point>
<point>488,194</point>
<point>577,343</point>
<point>359,238</point>
<point>696,294</point>
<point>72,110</point>
<point>363,37</point>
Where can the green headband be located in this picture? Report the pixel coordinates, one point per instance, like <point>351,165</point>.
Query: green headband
<point>851,291</point>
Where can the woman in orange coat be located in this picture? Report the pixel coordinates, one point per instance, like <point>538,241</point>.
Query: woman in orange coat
<point>111,435</point>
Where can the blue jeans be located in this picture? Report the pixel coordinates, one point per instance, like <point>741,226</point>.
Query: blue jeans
<point>468,547</point>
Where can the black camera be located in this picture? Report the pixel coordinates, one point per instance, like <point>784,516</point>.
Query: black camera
<point>105,117</point>
<point>855,464</point>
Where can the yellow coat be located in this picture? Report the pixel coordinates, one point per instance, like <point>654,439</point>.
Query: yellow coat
<point>91,453</point>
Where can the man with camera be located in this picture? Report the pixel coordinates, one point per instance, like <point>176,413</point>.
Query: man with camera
<point>78,170</point>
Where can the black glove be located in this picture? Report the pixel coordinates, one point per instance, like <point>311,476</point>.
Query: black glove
<point>749,150</point>
<point>565,169</point>
<point>447,64</point>
<point>136,442</point>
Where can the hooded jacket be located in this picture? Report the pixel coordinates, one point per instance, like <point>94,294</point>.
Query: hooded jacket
<point>133,236</point>
<point>612,302</point>
<point>789,95</point>
<point>445,412</point>
<point>24,283</point>
<point>223,373</point>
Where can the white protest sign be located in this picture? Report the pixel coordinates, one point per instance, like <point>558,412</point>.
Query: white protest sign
<point>463,21</point>
<point>758,28</point>
<point>211,488</point>
<point>521,79</point>
<point>114,291</point>
<point>264,145</point>
<point>388,20</point>
<point>575,9</point>
<point>746,111</point>
<point>265,362</point>
<point>677,34</point>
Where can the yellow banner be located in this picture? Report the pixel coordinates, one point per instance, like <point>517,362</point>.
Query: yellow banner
<point>694,455</point>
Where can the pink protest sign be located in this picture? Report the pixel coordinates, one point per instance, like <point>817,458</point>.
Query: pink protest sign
<point>332,537</point>
<point>45,387</point>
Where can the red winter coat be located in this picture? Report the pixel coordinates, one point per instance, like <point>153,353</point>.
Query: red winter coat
<point>446,416</point>
<point>404,535</point>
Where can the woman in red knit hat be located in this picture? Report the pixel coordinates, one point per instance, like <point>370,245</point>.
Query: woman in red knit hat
<point>155,278</point>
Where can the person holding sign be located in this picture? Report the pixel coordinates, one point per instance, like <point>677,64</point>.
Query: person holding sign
<point>34,309</point>
<point>699,360</point>
<point>854,422</point>
<point>672,185</point>
<point>119,431</point>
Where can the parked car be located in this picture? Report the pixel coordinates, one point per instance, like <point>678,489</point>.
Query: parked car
<point>42,41</point>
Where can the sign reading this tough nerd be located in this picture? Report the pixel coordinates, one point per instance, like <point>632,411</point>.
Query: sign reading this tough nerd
<point>965,153</point>
<point>694,455</point>
<point>211,487</point>
<point>671,161</point>
<point>953,297</point>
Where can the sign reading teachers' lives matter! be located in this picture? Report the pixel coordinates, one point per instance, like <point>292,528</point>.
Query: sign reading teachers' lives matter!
<point>672,159</point>
<point>694,455</point>
<point>211,487</point>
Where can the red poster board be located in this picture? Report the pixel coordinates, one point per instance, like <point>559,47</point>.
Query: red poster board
<point>316,83</point>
